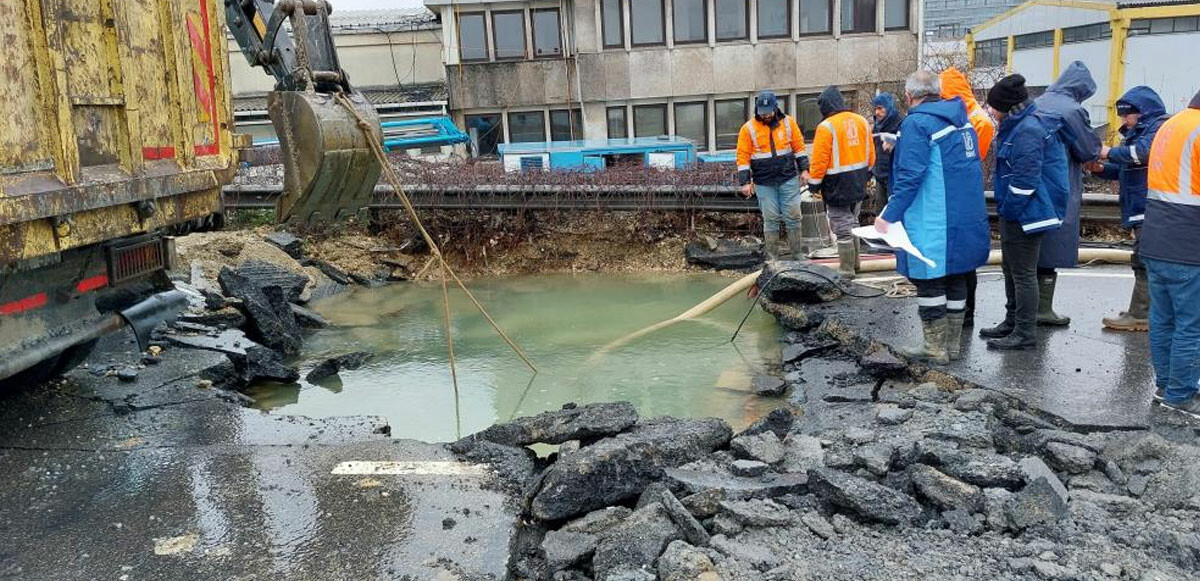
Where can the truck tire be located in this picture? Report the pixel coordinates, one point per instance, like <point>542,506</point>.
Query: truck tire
<point>48,368</point>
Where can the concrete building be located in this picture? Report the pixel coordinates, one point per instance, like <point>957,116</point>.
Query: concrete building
<point>1125,44</point>
<point>951,19</point>
<point>394,57</point>
<point>542,70</point>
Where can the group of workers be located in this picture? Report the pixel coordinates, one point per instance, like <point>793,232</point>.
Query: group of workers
<point>928,167</point>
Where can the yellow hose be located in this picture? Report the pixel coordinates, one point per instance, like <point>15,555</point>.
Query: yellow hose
<point>1086,255</point>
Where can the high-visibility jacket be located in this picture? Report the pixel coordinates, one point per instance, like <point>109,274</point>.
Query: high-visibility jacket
<point>955,84</point>
<point>842,156</point>
<point>1171,230</point>
<point>770,153</point>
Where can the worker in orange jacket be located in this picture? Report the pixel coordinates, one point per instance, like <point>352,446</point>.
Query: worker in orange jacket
<point>1169,239</point>
<point>955,84</point>
<point>842,156</point>
<point>771,162</point>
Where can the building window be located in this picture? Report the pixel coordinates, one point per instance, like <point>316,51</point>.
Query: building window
<point>1144,26</point>
<point>895,15</point>
<point>691,21</point>
<point>733,20</point>
<point>730,116</point>
<point>472,38</point>
<point>774,18</point>
<point>991,53</point>
<point>808,114</point>
<point>612,12</point>
<point>646,19</point>
<point>547,39</point>
<point>816,16</point>
<point>1088,33</point>
<point>649,120</point>
<point>488,132</point>
<point>618,126</point>
<point>566,125</point>
<point>1034,40</point>
<point>508,34</point>
<point>858,16</point>
<point>526,126</point>
<point>691,121</point>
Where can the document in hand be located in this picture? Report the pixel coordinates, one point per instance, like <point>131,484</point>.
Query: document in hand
<point>896,237</point>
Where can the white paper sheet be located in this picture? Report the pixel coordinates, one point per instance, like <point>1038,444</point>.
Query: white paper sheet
<point>896,237</point>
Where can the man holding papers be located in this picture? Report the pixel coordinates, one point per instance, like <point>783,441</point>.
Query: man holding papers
<point>937,194</point>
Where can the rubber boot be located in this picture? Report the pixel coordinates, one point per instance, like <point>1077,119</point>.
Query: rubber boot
<point>846,259</point>
<point>857,255</point>
<point>1137,317</point>
<point>796,244</point>
<point>1004,329</point>
<point>933,349</point>
<point>1019,339</point>
<point>771,245</point>
<point>1046,317</point>
<point>954,332</point>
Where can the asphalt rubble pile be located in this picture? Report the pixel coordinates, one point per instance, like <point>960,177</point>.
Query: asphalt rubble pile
<point>865,471</point>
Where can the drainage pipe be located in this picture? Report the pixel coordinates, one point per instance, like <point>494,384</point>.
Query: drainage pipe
<point>881,264</point>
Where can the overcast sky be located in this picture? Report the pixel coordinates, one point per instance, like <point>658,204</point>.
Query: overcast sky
<point>372,4</point>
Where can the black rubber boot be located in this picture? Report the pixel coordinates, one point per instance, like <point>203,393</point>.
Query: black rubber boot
<point>1046,317</point>
<point>1004,329</point>
<point>1019,339</point>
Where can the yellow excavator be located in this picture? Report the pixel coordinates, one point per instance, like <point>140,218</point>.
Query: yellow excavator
<point>117,131</point>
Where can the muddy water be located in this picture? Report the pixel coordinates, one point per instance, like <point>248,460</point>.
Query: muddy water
<point>560,321</point>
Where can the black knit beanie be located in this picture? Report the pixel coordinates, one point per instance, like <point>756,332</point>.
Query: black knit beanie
<point>1008,93</point>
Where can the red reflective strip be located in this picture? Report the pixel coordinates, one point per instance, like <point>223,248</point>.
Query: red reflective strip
<point>23,305</point>
<point>210,149</point>
<point>93,283</point>
<point>153,153</point>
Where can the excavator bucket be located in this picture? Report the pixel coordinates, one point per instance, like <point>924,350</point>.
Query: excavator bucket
<point>329,168</point>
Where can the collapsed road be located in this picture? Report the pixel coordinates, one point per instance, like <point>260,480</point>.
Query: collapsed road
<point>149,465</point>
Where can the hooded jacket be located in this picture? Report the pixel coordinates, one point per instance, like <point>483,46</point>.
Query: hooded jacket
<point>937,191</point>
<point>1030,180</point>
<point>1060,249</point>
<point>842,152</point>
<point>955,84</point>
<point>1127,162</point>
<point>1172,230</point>
<point>889,124</point>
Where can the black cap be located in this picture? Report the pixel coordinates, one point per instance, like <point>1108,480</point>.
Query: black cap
<point>1008,93</point>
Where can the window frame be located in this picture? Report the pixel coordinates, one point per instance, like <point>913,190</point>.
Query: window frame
<point>787,30</point>
<point>830,4</point>
<point>533,32</point>
<point>574,123</point>
<point>987,46</point>
<point>703,145</point>
<point>541,114</point>
<point>666,119</point>
<point>674,20</point>
<point>801,98</point>
<point>1041,39</point>
<point>524,36</point>
<point>1104,27</point>
<point>745,101</point>
<point>620,25</point>
<point>662,16</point>
<point>907,15</point>
<point>874,17</point>
<point>487,50</point>
<point>624,121</point>
<point>716,22</point>
<point>500,121</point>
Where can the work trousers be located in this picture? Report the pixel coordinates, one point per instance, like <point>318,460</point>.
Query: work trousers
<point>779,203</point>
<point>937,296</point>
<point>1021,253</point>
<point>1135,260</point>
<point>881,194</point>
<point>1175,327</point>
<point>843,219</point>
<point>972,283</point>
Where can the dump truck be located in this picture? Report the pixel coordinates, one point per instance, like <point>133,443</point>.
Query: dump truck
<point>117,134</point>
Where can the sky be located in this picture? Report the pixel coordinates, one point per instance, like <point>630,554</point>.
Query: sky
<point>372,4</point>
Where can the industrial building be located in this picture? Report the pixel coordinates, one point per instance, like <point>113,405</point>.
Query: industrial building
<point>1125,44</point>
<point>597,69</point>
<point>948,20</point>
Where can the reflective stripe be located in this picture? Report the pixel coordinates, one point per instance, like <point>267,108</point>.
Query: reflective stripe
<point>1170,198</point>
<point>761,156</point>
<point>743,167</point>
<point>1042,224</point>
<point>1185,164</point>
<point>956,305</point>
<point>846,168</point>
<point>836,157</point>
<point>931,301</point>
<point>1137,218</point>
<point>1133,154</point>
<point>787,123</point>
<point>753,133</point>
<point>947,130</point>
<point>1019,191</point>
<point>814,182</point>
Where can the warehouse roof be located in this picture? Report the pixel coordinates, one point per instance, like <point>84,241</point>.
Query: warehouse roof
<point>391,20</point>
<point>378,96</point>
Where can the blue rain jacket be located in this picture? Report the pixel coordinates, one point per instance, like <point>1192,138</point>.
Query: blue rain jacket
<point>1127,162</point>
<point>1060,248</point>
<point>1030,179</point>
<point>937,191</point>
<point>889,124</point>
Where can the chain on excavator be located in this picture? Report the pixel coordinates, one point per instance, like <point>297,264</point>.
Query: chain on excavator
<point>330,170</point>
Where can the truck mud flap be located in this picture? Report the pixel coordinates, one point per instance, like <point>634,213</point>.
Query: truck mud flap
<point>143,317</point>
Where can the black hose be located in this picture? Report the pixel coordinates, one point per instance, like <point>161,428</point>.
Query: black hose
<point>835,282</point>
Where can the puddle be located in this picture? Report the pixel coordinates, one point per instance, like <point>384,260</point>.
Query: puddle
<point>560,321</point>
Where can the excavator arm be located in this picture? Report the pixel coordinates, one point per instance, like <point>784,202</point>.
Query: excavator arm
<point>329,168</point>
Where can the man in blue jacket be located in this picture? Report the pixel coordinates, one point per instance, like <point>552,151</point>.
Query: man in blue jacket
<point>937,194</point>
<point>1142,113</point>
<point>1031,185</point>
<point>884,129</point>
<point>1060,248</point>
